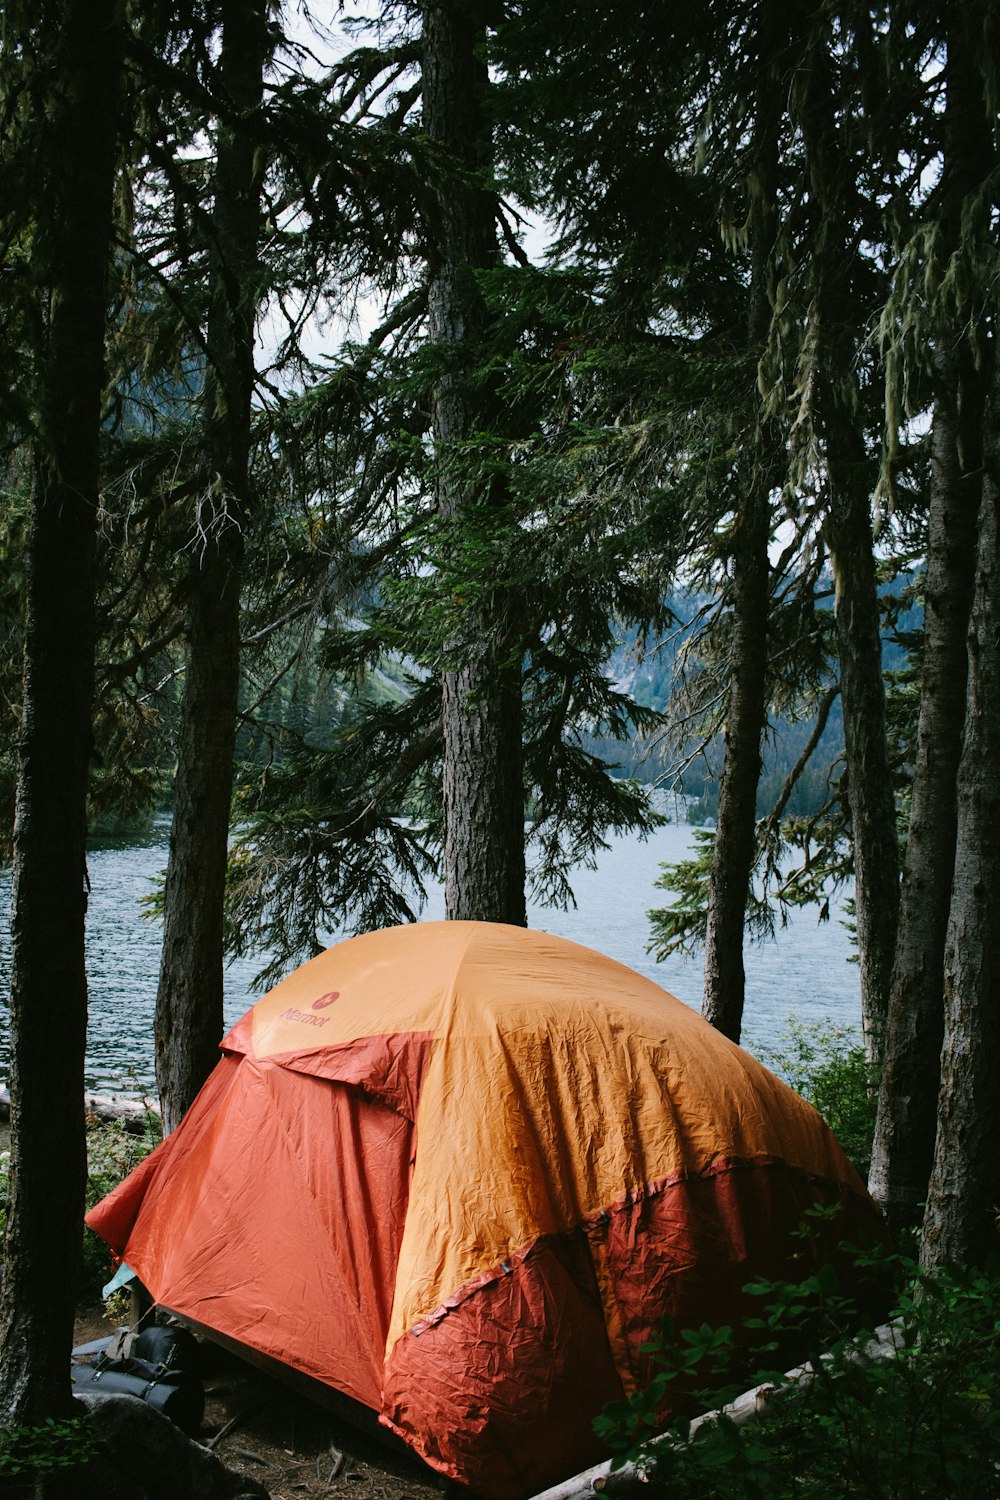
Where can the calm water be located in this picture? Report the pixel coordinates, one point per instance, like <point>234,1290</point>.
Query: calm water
<point>806,972</point>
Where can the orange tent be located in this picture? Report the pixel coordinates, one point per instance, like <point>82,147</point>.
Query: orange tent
<point>460,1172</point>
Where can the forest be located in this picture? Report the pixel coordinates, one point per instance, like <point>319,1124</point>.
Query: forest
<point>428,432</point>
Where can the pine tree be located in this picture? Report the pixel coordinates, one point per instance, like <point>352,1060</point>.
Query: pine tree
<point>483,788</point>
<point>61,75</point>
<point>733,850</point>
<point>944,352</point>
<point>960,1220</point>
<point>842,285</point>
<point>189,997</point>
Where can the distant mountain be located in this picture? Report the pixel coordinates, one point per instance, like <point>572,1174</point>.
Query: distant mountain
<point>649,673</point>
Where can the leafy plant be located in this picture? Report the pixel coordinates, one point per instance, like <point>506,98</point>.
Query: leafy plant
<point>112,1153</point>
<point>707,1367</point>
<point>828,1067</point>
<point>31,1453</point>
<point>921,1425</point>
<point>685,1359</point>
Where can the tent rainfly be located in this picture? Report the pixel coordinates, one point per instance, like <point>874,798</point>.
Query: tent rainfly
<point>460,1172</point>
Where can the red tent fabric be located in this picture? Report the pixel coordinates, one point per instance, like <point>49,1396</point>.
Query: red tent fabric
<point>460,1171</point>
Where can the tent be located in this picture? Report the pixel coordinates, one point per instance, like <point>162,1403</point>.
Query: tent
<point>459,1172</point>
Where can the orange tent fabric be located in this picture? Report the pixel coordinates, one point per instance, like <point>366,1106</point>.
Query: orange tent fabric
<point>460,1171</point>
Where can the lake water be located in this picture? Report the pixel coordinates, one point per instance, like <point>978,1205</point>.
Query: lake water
<point>806,972</point>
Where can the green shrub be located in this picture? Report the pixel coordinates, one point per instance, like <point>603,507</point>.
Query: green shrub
<point>704,1368</point>
<point>922,1425</point>
<point>827,1065</point>
<point>112,1153</point>
<point>29,1454</point>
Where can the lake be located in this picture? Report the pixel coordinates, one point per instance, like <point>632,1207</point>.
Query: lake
<point>805,972</point>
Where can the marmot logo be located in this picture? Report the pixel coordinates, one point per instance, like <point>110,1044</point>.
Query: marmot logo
<point>325,1000</point>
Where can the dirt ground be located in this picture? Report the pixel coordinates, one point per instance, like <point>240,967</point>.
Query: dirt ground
<point>293,1447</point>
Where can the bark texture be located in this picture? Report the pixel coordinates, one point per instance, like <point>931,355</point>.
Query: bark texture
<point>869,783</point>
<point>735,838</point>
<point>960,1222</point>
<point>483,798</point>
<point>904,1136</point>
<point>849,536</point>
<point>484,866</point>
<point>905,1128</point>
<point>80,43</point>
<point>735,842</point>
<point>189,1001</point>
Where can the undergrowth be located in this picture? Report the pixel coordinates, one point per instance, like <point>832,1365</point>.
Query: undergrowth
<point>827,1065</point>
<point>923,1424</point>
<point>30,1455</point>
<point>112,1153</point>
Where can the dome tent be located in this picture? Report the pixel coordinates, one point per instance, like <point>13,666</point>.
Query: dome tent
<point>459,1172</point>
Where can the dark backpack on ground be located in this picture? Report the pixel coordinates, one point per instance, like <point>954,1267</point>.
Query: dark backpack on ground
<point>158,1366</point>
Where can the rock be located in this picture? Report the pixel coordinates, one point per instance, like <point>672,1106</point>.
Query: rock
<point>148,1458</point>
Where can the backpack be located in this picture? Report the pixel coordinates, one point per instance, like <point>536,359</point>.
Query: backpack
<point>158,1366</point>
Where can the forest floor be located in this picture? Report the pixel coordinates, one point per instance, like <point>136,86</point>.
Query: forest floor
<point>290,1445</point>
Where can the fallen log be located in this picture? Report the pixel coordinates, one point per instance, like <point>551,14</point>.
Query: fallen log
<point>131,1113</point>
<point>602,1482</point>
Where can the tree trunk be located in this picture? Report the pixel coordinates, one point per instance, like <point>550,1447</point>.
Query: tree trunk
<point>733,851</point>
<point>189,1013</point>
<point>80,42</point>
<point>481,699</point>
<point>848,529</point>
<point>960,1223</point>
<point>483,798</point>
<point>735,841</point>
<point>904,1136</point>
<point>903,1148</point>
<point>869,783</point>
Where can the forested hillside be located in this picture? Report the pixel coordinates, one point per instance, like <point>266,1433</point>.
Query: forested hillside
<point>425,432</point>
<point>688,765</point>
